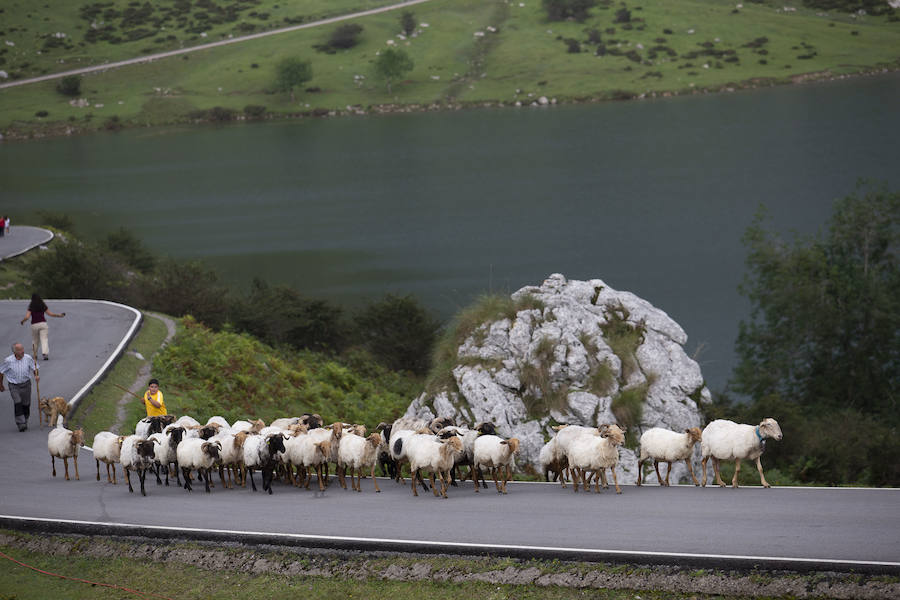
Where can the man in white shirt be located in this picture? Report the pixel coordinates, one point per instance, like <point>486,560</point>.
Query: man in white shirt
<point>18,369</point>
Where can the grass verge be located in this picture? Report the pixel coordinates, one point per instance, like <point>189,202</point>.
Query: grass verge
<point>97,411</point>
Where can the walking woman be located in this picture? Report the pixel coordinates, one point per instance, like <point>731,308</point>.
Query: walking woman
<point>38,313</point>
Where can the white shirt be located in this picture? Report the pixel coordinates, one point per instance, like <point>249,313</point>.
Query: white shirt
<point>18,371</point>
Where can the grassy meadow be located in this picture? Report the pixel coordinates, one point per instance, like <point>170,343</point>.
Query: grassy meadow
<point>465,52</point>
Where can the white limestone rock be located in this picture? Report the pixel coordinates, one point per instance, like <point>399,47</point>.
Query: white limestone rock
<point>554,363</point>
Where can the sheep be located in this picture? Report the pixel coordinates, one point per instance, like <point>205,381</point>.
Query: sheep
<point>551,460</point>
<point>187,422</point>
<point>261,451</point>
<point>220,421</point>
<point>251,426</point>
<point>305,451</point>
<point>107,447</point>
<point>565,435</point>
<point>498,455</point>
<point>401,430</point>
<point>50,409</point>
<point>231,454</point>
<point>64,443</point>
<point>588,453</point>
<point>166,451</point>
<point>426,451</point>
<point>150,425</point>
<point>138,455</point>
<point>668,446</point>
<point>313,421</point>
<point>727,440</point>
<point>196,453</point>
<point>284,422</point>
<point>333,434</point>
<point>356,453</point>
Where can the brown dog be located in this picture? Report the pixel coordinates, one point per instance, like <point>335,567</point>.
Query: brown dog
<point>51,408</point>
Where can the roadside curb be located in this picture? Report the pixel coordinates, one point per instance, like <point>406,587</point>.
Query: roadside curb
<point>352,544</point>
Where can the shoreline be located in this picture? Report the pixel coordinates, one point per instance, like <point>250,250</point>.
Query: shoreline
<point>36,131</point>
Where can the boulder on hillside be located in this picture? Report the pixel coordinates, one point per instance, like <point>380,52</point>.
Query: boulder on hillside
<point>573,352</point>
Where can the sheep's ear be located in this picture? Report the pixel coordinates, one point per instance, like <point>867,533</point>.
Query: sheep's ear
<point>155,440</point>
<point>219,444</point>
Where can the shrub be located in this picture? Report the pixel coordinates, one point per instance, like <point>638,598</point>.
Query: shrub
<point>186,288</point>
<point>41,113</point>
<point>623,15</point>
<point>399,332</point>
<point>130,249</point>
<point>70,85</point>
<point>255,111</point>
<point>343,38</point>
<point>573,46</point>
<point>561,10</point>
<point>57,220</point>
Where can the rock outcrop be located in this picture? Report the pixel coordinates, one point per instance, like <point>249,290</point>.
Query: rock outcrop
<point>574,352</point>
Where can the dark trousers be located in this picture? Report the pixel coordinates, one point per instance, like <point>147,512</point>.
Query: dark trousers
<point>21,395</point>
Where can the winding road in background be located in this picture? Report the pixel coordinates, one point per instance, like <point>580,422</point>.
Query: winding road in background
<point>794,528</point>
<point>159,55</point>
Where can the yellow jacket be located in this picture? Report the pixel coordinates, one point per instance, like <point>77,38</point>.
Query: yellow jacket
<point>152,411</point>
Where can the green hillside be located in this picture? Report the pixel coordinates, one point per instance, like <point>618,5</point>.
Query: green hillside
<point>464,52</point>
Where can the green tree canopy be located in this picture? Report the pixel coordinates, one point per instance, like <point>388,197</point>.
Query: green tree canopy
<point>392,64</point>
<point>821,351</point>
<point>291,73</point>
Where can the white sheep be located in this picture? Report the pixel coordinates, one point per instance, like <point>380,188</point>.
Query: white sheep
<point>220,421</point>
<point>727,440</point>
<point>251,426</point>
<point>231,455</point>
<point>137,454</point>
<point>196,453</point>
<point>594,454</point>
<point>188,422</point>
<point>400,431</point>
<point>356,453</point>
<point>551,460</point>
<point>498,455</point>
<point>107,447</point>
<point>437,455</point>
<point>667,446</point>
<point>305,452</point>
<point>64,443</point>
<point>565,435</point>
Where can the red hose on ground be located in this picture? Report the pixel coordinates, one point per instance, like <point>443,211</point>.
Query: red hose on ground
<point>141,594</point>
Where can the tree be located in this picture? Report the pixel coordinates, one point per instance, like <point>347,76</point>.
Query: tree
<point>392,64</point>
<point>124,243</point>
<point>408,22</point>
<point>290,73</point>
<point>70,85</point>
<point>398,332</point>
<point>822,347</point>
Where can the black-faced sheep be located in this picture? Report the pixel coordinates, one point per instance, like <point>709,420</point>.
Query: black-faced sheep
<point>137,454</point>
<point>196,453</point>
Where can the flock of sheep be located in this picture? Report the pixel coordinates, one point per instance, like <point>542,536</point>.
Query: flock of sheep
<point>294,449</point>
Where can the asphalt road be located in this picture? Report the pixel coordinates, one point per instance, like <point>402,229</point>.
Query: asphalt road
<point>794,528</point>
<point>21,239</point>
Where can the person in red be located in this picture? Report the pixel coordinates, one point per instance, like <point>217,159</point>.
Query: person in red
<point>38,313</point>
<point>2,225</point>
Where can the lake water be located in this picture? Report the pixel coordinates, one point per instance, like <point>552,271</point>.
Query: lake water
<point>650,196</point>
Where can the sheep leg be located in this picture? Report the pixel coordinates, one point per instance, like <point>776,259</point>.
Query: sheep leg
<point>341,473</point>
<point>97,460</point>
<point>659,478</point>
<point>640,469</point>
<point>128,480</point>
<point>737,469</point>
<point>66,465</point>
<point>668,470</point>
<point>574,474</point>
<point>703,464</point>
<point>762,478</point>
<point>473,471</point>
<point>375,481</point>
<point>252,483</point>
<point>603,479</point>
<point>319,469</point>
<point>267,485</point>
<point>75,460</point>
<point>142,475</point>
<point>114,480</point>
<point>187,479</point>
<point>433,486</point>
<point>206,478</point>
<point>506,477</point>
<point>444,477</point>
<point>719,481</point>
<point>691,471</point>
<point>616,480</point>
<point>414,474</point>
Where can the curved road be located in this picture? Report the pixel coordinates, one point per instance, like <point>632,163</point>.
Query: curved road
<point>796,528</point>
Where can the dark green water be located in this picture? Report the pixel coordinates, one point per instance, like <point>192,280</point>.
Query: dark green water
<point>651,196</point>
